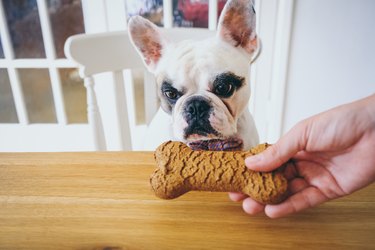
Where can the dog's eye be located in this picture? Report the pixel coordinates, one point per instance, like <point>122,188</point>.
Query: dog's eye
<point>224,89</point>
<point>226,83</point>
<point>171,94</point>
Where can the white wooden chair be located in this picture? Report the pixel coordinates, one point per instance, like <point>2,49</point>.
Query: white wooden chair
<point>113,52</point>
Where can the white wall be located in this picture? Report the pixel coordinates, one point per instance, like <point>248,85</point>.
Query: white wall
<point>332,58</point>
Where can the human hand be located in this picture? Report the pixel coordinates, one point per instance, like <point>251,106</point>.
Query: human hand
<point>333,155</point>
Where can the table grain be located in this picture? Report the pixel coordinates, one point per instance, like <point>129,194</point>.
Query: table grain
<point>102,200</point>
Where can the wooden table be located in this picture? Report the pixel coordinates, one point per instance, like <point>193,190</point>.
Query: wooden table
<point>103,201</point>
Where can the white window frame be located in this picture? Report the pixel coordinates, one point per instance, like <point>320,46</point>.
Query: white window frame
<point>24,136</point>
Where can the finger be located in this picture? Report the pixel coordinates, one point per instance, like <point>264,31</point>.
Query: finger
<point>277,154</point>
<point>236,196</point>
<point>252,207</point>
<point>297,185</point>
<point>308,197</point>
<point>290,171</point>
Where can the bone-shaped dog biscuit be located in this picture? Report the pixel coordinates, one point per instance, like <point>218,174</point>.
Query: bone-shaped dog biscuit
<point>181,170</point>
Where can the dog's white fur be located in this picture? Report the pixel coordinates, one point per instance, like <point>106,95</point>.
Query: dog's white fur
<point>192,66</point>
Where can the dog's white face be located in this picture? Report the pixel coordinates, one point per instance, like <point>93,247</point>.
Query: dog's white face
<point>204,85</point>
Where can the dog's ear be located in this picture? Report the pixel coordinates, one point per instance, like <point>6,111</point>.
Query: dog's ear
<point>237,25</point>
<point>147,39</point>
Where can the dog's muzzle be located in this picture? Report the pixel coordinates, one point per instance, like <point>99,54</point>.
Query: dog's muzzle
<point>196,113</point>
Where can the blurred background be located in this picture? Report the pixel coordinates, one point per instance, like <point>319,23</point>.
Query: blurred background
<point>316,54</point>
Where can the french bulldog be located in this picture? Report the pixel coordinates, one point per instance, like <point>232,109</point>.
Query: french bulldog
<point>203,86</point>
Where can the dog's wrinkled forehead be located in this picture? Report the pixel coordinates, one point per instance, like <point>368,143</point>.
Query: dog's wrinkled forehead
<point>194,64</point>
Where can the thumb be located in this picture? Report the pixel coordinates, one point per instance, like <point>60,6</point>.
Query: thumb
<point>279,153</point>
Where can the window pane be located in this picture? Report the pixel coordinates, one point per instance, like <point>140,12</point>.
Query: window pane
<point>8,112</point>
<point>36,86</point>
<point>193,13</point>
<point>66,20</point>
<point>24,28</point>
<point>1,50</point>
<point>150,9</point>
<point>74,96</point>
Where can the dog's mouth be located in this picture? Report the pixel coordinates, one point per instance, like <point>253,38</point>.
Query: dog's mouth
<point>229,144</point>
<point>207,138</point>
<point>200,130</point>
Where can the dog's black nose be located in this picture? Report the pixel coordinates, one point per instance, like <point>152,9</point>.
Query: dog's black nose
<point>197,108</point>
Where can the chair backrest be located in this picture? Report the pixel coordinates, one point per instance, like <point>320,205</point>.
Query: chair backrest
<point>113,52</point>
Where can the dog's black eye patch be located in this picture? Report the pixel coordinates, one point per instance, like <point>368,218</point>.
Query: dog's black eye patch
<point>226,83</point>
<point>170,93</point>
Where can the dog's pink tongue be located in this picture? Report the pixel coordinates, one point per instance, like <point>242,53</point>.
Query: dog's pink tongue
<point>232,144</point>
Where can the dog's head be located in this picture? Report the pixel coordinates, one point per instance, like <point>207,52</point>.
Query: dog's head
<point>204,85</point>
